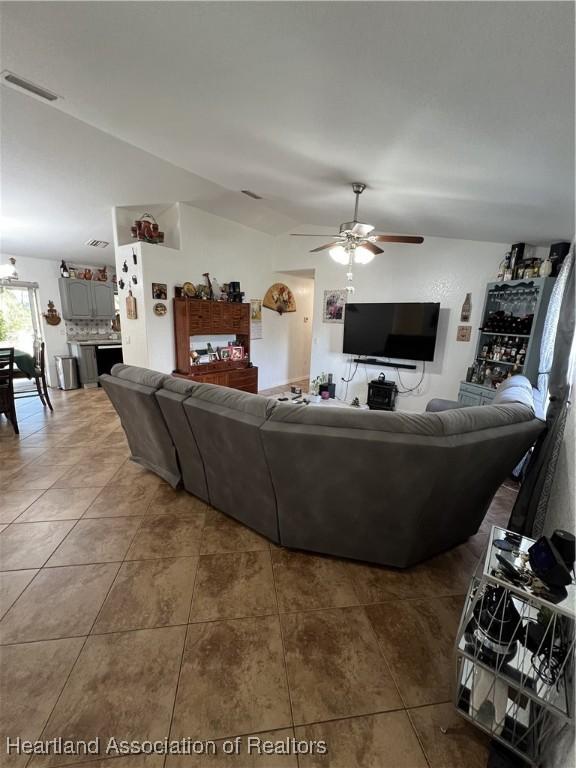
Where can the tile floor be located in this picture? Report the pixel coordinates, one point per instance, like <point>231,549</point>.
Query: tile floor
<point>132,610</point>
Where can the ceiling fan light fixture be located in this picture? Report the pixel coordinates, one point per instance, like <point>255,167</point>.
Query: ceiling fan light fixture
<point>362,255</point>
<point>339,254</point>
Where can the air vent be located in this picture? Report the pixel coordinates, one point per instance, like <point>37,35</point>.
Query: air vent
<point>253,195</point>
<point>97,243</point>
<point>25,85</point>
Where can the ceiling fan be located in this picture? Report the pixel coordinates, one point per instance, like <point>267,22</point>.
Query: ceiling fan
<point>355,241</point>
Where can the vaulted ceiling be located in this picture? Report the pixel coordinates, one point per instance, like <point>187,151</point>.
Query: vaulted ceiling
<point>459,116</point>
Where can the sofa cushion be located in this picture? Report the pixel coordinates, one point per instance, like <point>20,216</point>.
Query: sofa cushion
<point>171,401</point>
<point>150,442</point>
<point>179,386</point>
<point>448,422</point>
<point>226,424</point>
<point>438,404</point>
<point>516,389</point>
<point>138,375</point>
<point>459,421</point>
<point>254,405</point>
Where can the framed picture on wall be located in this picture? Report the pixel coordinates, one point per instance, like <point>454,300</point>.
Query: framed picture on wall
<point>236,353</point>
<point>160,291</point>
<point>333,309</point>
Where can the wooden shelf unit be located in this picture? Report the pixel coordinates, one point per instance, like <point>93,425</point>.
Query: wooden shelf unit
<point>199,317</point>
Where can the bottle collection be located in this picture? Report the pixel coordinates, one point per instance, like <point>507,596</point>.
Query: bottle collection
<point>505,349</point>
<point>481,373</point>
<point>501,322</point>
<point>520,262</point>
<point>499,358</point>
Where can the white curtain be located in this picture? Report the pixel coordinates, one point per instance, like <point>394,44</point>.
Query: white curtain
<point>551,327</point>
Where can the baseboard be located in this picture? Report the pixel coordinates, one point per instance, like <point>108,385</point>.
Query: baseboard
<point>287,383</point>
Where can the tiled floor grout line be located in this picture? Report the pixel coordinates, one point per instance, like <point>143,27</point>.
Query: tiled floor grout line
<point>283,647</point>
<point>184,643</point>
<point>413,726</point>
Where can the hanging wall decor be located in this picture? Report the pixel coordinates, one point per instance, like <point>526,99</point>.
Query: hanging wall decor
<point>279,298</point>
<point>52,316</point>
<point>159,309</point>
<point>255,318</point>
<point>131,311</point>
<point>466,309</point>
<point>464,333</point>
<point>334,303</point>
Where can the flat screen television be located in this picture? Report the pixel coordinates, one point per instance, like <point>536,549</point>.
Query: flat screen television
<point>406,331</point>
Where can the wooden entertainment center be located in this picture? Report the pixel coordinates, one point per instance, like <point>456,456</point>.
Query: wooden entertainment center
<point>201,317</point>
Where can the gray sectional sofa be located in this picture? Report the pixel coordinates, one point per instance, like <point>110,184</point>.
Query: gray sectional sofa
<point>385,487</point>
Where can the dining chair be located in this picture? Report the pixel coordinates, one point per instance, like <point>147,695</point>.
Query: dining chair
<point>7,402</point>
<point>39,377</point>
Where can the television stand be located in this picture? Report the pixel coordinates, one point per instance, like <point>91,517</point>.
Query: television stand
<point>375,361</point>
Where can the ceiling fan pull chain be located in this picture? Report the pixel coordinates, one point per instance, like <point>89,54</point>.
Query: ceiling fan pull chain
<point>350,273</point>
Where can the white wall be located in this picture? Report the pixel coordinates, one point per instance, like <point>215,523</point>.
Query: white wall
<point>228,251</point>
<point>45,272</point>
<point>440,269</point>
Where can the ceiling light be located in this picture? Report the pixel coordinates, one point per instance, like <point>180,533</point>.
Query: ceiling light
<point>362,255</point>
<point>339,254</point>
<point>15,81</point>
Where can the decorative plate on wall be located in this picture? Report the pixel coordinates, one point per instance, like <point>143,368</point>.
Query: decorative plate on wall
<point>189,290</point>
<point>279,298</point>
<point>160,309</point>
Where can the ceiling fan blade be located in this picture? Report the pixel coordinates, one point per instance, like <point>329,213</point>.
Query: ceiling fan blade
<point>397,239</point>
<point>303,234</point>
<point>371,247</point>
<point>323,247</point>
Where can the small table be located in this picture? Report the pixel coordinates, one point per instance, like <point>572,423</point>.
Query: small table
<point>330,403</point>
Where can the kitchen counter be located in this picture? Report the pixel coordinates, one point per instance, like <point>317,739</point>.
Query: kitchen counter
<point>95,357</point>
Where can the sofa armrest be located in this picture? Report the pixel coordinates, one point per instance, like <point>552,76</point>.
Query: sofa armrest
<point>437,404</point>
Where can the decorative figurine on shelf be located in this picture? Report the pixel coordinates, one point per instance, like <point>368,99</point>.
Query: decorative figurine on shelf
<point>355,403</point>
<point>146,229</point>
<point>52,316</point>
<point>546,267</point>
<point>210,296</point>
<point>102,275</point>
<point>64,271</point>
<point>87,274</point>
